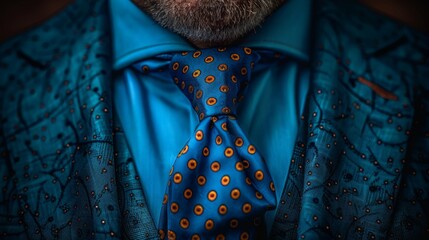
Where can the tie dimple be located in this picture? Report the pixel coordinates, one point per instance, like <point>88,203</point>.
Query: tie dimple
<point>219,186</point>
<point>213,79</point>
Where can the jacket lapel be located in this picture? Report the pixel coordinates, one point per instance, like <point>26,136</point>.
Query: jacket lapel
<point>349,158</point>
<point>81,177</point>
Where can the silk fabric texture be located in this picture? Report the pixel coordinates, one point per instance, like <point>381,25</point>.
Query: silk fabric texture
<point>219,185</point>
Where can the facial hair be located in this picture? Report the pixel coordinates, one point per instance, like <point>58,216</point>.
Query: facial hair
<point>209,23</point>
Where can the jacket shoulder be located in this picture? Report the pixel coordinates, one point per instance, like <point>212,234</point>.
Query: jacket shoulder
<point>351,30</point>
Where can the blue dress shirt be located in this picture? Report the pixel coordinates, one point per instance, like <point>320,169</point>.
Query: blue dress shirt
<point>158,119</point>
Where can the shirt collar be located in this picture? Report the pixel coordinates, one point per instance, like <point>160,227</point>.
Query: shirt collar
<point>136,36</point>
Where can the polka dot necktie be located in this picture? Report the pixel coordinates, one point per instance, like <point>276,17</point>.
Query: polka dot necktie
<point>219,186</point>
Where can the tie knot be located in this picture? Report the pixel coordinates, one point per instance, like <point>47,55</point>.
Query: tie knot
<point>213,79</point>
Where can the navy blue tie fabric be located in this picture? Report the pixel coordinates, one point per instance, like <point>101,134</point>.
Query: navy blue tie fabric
<point>219,185</point>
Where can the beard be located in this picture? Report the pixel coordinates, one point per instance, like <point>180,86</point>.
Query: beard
<point>209,23</point>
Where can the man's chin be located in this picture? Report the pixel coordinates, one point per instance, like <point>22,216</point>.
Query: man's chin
<point>210,23</point>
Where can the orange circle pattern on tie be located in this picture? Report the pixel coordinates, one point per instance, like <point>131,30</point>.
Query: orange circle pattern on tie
<point>219,186</point>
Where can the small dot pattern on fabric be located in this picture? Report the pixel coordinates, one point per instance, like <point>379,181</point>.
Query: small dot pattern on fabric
<point>219,186</point>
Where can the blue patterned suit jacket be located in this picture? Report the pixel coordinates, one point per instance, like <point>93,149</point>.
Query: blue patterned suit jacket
<point>360,168</point>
